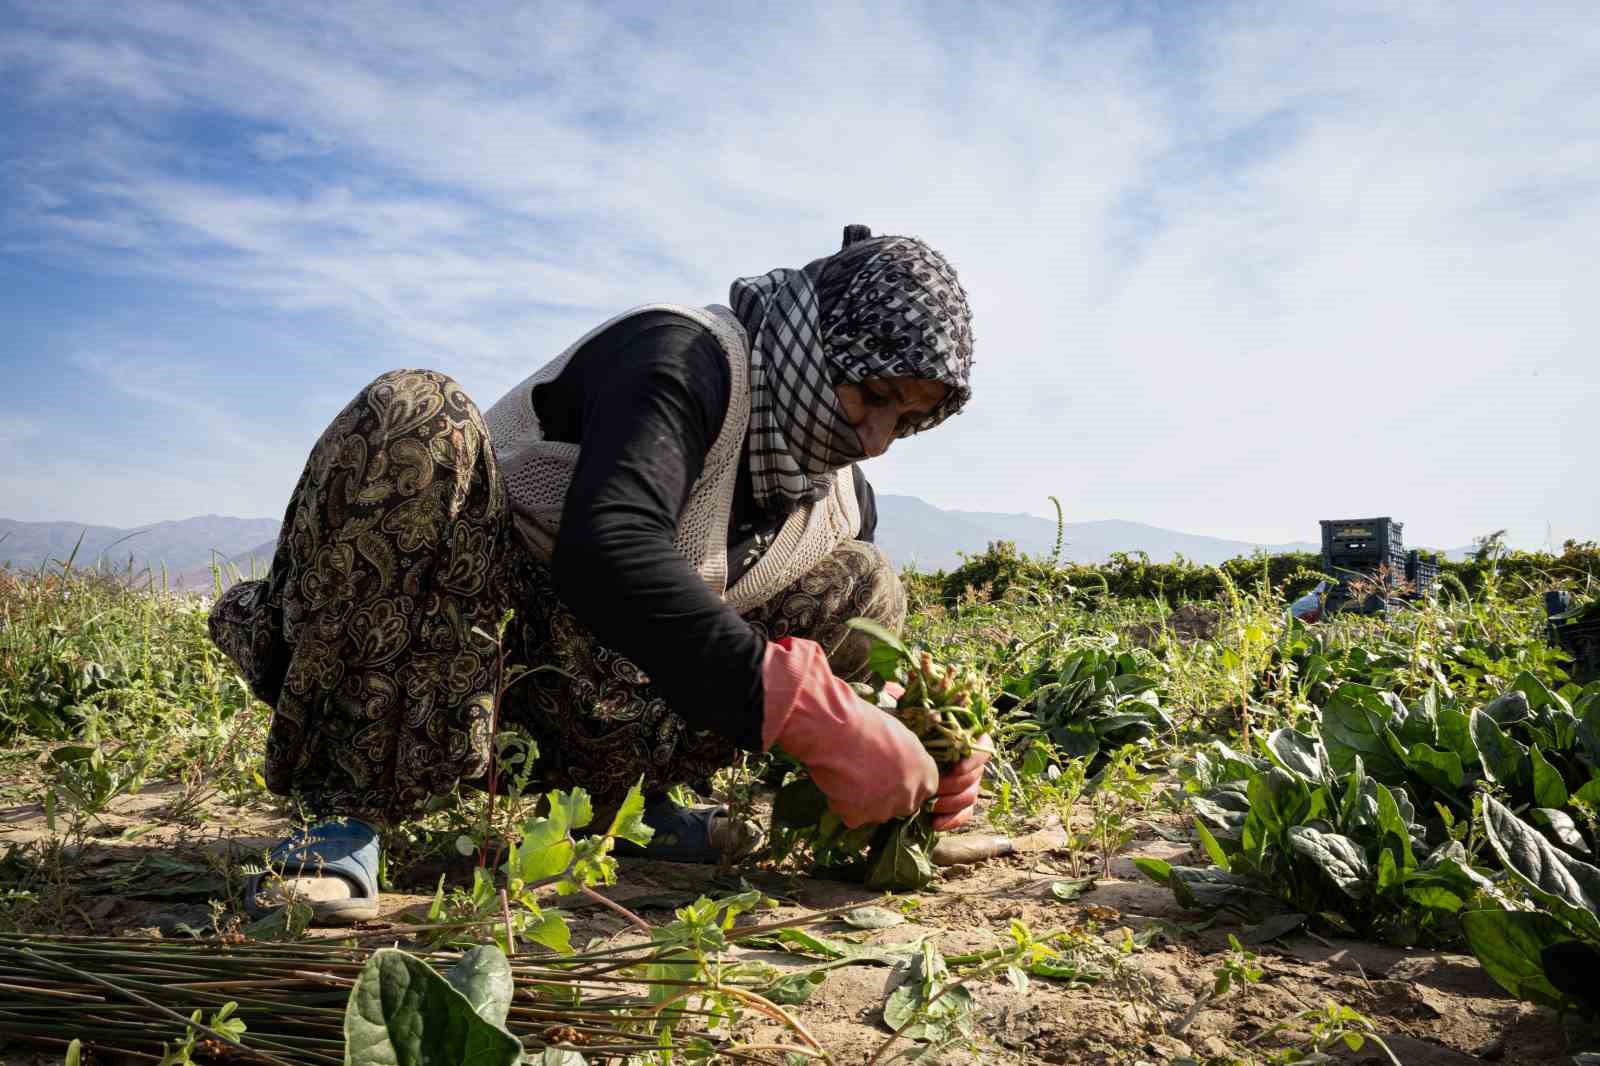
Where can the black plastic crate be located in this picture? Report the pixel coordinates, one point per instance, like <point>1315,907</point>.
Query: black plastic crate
<point>1363,543</point>
<point>1367,555</point>
<point>1421,571</point>
<point>1581,640</point>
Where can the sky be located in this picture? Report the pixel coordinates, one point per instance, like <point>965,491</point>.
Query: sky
<point>1234,268</point>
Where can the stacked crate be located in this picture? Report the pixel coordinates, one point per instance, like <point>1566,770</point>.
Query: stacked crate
<point>1369,558</point>
<point>1422,570</point>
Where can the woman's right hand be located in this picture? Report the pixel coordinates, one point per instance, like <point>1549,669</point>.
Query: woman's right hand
<point>869,766</point>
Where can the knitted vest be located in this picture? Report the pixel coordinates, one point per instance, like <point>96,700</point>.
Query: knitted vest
<point>537,473</point>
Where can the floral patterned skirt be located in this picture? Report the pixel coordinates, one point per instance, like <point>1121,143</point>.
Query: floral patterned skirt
<point>397,553</point>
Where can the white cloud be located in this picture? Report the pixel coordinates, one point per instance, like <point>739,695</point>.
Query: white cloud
<point>1233,271</point>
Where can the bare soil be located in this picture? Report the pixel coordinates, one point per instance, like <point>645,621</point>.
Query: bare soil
<point>144,872</point>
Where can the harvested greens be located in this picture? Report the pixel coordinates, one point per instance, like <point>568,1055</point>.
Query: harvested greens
<point>947,707</point>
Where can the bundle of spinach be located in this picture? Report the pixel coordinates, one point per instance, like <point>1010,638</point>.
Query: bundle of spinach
<point>1339,846</point>
<point>947,707</point>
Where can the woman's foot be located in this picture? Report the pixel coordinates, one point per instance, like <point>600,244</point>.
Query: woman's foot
<point>708,835</point>
<point>332,867</point>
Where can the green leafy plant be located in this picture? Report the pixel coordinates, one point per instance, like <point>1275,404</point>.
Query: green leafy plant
<point>1238,967</point>
<point>548,852</point>
<point>222,1022</point>
<point>1119,790</point>
<point>1547,949</point>
<point>1341,846</point>
<point>1531,744</point>
<point>1330,1026</point>
<point>1087,702</point>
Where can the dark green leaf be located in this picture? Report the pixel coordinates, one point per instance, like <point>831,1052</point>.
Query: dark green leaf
<point>1208,888</point>
<point>1441,769</point>
<point>1297,753</point>
<point>1395,830</point>
<point>483,976</point>
<point>1280,799</point>
<point>902,862</point>
<point>402,1013</point>
<point>1509,944</point>
<point>1569,886</point>
<point>1418,724</point>
<point>1455,734</point>
<point>1075,739</point>
<point>1448,865</point>
<point>799,804</point>
<point>1548,788</point>
<point>1502,757</point>
<point>1337,856</point>
<point>1229,822</point>
<point>1539,695</point>
<point>800,942</point>
<point>795,988</point>
<point>1271,928</point>
<point>1359,806</point>
<point>1352,725</point>
<point>1509,708</point>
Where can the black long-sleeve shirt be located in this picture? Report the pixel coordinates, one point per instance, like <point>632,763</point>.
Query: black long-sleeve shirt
<point>645,400</point>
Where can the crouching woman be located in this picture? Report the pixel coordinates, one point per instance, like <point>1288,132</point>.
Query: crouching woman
<point>671,510</point>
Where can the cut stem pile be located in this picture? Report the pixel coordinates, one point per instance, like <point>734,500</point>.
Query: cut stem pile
<point>133,996</point>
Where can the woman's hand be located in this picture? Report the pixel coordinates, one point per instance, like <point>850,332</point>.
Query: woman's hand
<point>958,784</point>
<point>869,766</point>
<point>958,788</point>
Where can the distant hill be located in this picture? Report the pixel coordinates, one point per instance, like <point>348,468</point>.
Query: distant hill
<point>915,533</point>
<point>181,546</point>
<point>252,562</point>
<point>910,530</point>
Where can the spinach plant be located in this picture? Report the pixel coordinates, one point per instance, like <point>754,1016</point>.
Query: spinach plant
<point>1341,846</point>
<point>1545,949</point>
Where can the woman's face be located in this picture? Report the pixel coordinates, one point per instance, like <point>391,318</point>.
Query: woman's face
<point>879,408</point>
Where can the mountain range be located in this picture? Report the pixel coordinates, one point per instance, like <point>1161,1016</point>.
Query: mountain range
<point>185,547</point>
<point>911,531</point>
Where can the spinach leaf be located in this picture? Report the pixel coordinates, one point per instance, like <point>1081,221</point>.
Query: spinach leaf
<point>1569,886</point>
<point>1510,945</point>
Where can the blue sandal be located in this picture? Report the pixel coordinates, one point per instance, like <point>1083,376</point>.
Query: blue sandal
<point>345,848</point>
<point>685,834</point>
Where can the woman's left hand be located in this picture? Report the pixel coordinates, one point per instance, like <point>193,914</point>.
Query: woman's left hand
<point>958,789</point>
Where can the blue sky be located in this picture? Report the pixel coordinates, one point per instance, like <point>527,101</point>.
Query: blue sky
<point>1234,267</point>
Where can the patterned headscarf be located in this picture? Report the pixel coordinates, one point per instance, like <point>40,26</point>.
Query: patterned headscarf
<point>880,307</point>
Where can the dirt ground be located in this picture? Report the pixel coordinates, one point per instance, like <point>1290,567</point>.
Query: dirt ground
<point>143,872</point>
